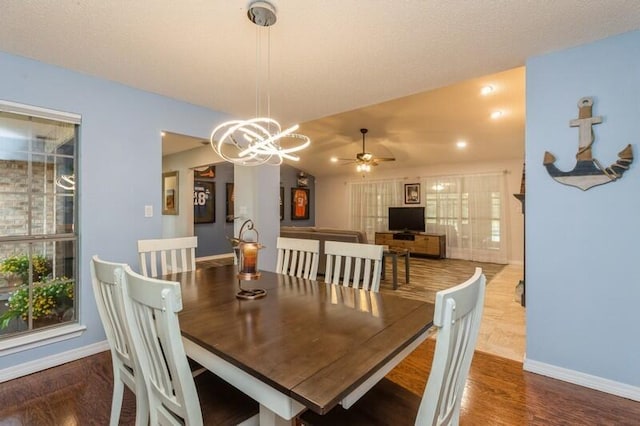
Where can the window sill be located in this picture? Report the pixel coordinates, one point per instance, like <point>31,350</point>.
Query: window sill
<point>40,338</point>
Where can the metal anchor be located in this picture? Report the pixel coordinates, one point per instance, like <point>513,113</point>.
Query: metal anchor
<point>588,172</point>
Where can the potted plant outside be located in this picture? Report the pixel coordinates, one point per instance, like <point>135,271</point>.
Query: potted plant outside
<point>52,302</point>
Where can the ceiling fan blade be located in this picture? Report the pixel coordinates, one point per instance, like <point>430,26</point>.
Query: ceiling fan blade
<point>364,157</point>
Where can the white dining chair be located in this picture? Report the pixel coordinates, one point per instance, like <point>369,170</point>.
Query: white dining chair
<point>151,308</point>
<point>353,264</point>
<point>167,255</point>
<point>298,257</point>
<point>106,280</point>
<point>457,316</point>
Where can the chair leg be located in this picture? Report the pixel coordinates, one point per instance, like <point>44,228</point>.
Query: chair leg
<point>142,403</point>
<point>116,400</point>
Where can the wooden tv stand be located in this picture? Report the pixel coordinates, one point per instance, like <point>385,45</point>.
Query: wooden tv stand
<point>433,245</point>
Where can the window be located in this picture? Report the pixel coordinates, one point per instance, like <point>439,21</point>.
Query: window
<point>38,232</point>
<point>469,210</point>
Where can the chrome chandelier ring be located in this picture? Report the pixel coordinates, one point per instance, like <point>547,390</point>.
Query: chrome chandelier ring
<point>257,141</point>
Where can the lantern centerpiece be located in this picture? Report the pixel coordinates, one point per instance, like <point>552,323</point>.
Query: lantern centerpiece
<point>246,251</point>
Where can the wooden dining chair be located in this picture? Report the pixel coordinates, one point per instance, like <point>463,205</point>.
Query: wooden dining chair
<point>457,315</point>
<point>170,254</point>
<point>151,307</point>
<point>106,279</point>
<point>298,257</point>
<point>358,265</point>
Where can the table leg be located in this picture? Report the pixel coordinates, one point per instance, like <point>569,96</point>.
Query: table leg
<point>406,268</point>
<point>269,418</point>
<point>394,259</point>
<point>383,273</point>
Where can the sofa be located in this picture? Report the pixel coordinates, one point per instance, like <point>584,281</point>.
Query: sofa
<point>322,235</point>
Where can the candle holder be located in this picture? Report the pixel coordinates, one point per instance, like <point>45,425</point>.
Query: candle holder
<point>247,255</point>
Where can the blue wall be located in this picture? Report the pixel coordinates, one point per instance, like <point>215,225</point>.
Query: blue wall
<point>120,165</point>
<point>583,291</point>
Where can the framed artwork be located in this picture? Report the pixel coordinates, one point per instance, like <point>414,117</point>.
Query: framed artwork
<point>229,212</point>
<point>282,203</point>
<point>204,202</point>
<point>205,172</point>
<point>299,203</point>
<point>170,193</point>
<point>412,193</point>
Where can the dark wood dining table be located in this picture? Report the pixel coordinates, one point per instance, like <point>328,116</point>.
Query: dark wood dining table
<point>305,345</point>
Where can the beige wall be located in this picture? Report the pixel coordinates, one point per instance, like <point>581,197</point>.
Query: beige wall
<point>332,200</point>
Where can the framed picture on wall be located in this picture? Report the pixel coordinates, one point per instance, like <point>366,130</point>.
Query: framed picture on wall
<point>299,203</point>
<point>170,193</point>
<point>229,212</point>
<point>204,202</point>
<point>412,193</point>
<point>282,203</point>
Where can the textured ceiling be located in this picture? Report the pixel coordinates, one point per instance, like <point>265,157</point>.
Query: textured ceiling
<point>327,56</point>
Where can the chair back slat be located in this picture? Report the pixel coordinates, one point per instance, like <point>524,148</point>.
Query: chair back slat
<point>362,263</point>
<point>167,255</point>
<point>298,257</point>
<point>458,312</point>
<point>151,307</point>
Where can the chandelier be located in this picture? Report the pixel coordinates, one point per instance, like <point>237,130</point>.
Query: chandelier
<point>259,140</point>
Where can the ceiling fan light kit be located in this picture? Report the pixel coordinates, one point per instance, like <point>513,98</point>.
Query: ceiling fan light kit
<point>259,140</point>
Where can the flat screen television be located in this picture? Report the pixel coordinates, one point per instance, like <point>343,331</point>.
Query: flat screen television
<point>406,219</point>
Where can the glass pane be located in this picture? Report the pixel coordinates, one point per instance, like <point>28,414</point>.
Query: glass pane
<point>14,220</point>
<point>65,175</point>
<point>41,174</point>
<point>52,174</point>
<point>49,300</point>
<point>51,214</point>
<point>13,171</point>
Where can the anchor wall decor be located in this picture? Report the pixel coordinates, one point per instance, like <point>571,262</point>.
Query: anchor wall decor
<point>588,172</point>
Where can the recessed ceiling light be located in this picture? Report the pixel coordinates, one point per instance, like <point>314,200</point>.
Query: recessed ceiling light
<point>496,114</point>
<point>334,160</point>
<point>461,144</point>
<point>486,90</point>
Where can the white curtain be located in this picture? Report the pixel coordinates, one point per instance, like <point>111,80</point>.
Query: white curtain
<point>470,210</point>
<point>370,203</point>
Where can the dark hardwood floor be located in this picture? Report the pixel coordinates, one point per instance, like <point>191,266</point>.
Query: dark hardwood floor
<point>498,392</point>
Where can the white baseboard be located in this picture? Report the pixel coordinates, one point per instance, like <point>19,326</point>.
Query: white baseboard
<point>215,257</point>
<point>593,382</point>
<point>52,361</point>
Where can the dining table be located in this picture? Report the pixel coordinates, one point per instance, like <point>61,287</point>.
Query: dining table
<point>304,345</point>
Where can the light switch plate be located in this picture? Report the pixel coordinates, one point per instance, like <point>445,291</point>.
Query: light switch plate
<point>148,211</point>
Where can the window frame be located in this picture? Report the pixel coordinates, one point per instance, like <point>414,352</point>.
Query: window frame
<point>34,337</point>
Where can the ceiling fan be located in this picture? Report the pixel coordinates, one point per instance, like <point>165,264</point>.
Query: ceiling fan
<point>364,160</point>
